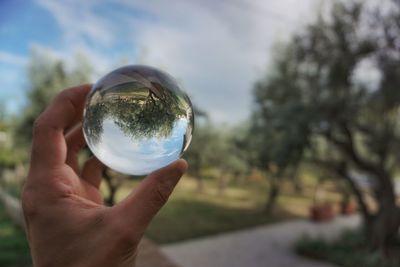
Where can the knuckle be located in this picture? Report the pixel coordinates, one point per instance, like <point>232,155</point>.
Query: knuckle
<point>65,96</point>
<point>125,235</point>
<point>128,239</point>
<point>41,126</point>
<point>38,125</point>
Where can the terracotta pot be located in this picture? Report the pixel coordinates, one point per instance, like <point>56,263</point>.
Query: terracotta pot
<point>322,212</point>
<point>348,208</point>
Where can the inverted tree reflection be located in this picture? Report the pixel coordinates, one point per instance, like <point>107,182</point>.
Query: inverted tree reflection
<point>140,112</point>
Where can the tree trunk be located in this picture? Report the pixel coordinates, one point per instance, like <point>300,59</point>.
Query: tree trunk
<point>342,171</point>
<point>112,189</point>
<point>385,225</point>
<point>200,184</point>
<point>273,194</point>
<point>222,183</point>
<point>381,228</point>
<point>297,185</point>
<point>296,181</point>
<point>366,214</point>
<point>385,228</point>
<point>110,199</point>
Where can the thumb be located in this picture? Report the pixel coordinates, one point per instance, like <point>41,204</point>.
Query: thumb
<point>141,205</point>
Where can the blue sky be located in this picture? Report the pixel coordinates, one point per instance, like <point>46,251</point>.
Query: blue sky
<point>217,49</point>
<point>138,156</point>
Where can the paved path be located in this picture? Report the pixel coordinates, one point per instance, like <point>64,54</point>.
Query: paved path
<point>149,255</point>
<point>265,246</point>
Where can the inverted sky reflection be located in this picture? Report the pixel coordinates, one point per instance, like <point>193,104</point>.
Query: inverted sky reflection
<point>129,155</point>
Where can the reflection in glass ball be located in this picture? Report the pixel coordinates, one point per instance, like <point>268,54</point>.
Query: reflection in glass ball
<point>137,119</point>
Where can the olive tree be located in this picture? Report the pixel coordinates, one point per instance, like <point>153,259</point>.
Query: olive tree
<point>321,105</point>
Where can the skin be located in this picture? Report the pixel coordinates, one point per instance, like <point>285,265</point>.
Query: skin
<point>66,221</point>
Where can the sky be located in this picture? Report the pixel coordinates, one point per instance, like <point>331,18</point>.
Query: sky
<point>216,49</point>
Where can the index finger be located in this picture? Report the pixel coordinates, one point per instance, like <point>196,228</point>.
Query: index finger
<point>49,148</point>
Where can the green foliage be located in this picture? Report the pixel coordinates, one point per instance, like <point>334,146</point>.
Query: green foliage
<point>3,117</point>
<point>348,250</point>
<point>47,77</point>
<point>9,157</point>
<point>199,152</point>
<point>312,102</point>
<point>279,131</point>
<point>14,249</point>
<point>315,106</point>
<point>215,148</point>
<point>136,110</point>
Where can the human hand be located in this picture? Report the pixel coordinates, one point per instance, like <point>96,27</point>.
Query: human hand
<point>67,223</point>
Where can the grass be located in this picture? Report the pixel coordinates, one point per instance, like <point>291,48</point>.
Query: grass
<point>14,250</point>
<point>185,218</point>
<point>348,250</point>
<point>189,214</point>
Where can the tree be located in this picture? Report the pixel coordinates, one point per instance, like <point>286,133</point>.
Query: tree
<point>47,77</point>
<point>141,101</point>
<point>137,115</point>
<point>316,107</point>
<point>277,141</point>
<point>113,182</point>
<point>217,149</point>
<point>229,156</point>
<point>199,151</point>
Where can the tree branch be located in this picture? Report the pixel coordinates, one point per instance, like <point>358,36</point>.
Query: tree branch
<point>386,190</point>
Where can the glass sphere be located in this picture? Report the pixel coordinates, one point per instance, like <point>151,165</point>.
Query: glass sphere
<point>137,119</point>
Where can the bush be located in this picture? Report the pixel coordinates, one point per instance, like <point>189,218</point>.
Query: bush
<point>14,249</point>
<point>348,250</point>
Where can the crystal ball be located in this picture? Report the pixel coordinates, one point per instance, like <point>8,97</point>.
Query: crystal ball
<point>137,119</point>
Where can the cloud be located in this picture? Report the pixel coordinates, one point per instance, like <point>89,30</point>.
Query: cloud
<point>101,62</point>
<point>218,49</point>
<point>13,59</point>
<point>137,156</point>
<point>79,21</point>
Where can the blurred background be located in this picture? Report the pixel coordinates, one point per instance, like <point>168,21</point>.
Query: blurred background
<point>295,153</point>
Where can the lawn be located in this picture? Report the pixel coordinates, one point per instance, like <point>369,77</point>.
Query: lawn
<point>190,214</point>
<point>186,217</point>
